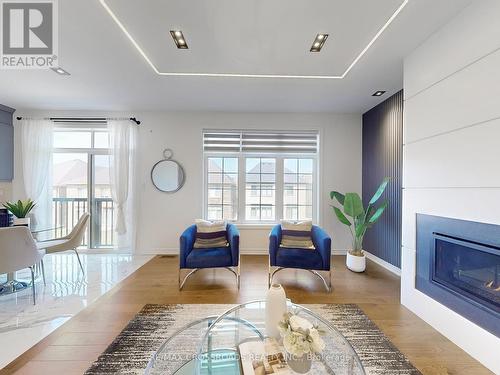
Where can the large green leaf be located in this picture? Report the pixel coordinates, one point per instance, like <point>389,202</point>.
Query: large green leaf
<point>360,230</point>
<point>341,217</point>
<point>369,211</point>
<point>378,213</point>
<point>338,196</point>
<point>353,206</point>
<point>380,190</point>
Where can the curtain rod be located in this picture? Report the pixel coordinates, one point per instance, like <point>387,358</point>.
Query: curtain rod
<point>84,119</point>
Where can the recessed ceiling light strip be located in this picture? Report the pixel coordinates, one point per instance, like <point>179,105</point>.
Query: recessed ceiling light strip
<point>386,25</point>
<point>136,45</point>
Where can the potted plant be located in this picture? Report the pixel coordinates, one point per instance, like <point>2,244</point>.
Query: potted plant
<point>361,220</point>
<point>20,210</point>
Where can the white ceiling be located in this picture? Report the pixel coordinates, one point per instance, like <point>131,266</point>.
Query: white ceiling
<point>264,37</point>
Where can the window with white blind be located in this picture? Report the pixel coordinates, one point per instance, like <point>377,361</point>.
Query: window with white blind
<point>260,176</point>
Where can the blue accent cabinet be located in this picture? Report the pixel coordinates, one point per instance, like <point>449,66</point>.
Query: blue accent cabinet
<point>6,144</point>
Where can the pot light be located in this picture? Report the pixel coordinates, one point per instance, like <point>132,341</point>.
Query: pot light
<point>60,71</point>
<point>378,93</point>
<point>179,39</point>
<point>318,43</point>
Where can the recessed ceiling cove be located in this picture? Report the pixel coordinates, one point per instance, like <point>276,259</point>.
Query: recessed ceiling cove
<point>259,38</point>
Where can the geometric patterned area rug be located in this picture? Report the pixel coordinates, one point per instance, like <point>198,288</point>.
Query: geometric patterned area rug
<point>131,351</point>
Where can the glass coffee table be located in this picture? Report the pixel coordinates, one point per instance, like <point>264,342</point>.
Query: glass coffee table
<point>210,345</point>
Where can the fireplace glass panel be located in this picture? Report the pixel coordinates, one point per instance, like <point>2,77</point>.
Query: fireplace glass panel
<point>469,269</point>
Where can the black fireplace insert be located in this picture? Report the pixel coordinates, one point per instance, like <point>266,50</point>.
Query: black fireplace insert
<point>458,264</point>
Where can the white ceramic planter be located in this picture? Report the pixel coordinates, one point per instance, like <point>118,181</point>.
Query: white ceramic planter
<point>300,365</point>
<point>275,309</point>
<point>24,221</point>
<point>355,263</point>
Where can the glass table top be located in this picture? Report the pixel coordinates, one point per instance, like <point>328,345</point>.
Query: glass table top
<point>210,345</point>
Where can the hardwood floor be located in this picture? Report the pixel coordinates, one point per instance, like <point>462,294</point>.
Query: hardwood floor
<point>73,347</point>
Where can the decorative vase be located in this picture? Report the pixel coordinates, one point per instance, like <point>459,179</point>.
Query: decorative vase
<point>22,221</point>
<point>301,365</point>
<point>355,263</point>
<point>275,309</point>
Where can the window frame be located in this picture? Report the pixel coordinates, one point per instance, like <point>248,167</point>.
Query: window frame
<point>279,181</point>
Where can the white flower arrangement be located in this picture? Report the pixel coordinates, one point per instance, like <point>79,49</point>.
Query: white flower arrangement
<point>300,336</point>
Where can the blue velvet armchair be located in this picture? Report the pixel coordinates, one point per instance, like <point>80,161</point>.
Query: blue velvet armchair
<point>220,257</point>
<point>306,259</point>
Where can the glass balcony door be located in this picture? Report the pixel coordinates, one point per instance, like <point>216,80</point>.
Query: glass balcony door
<point>81,184</point>
<point>70,191</point>
<point>103,213</point>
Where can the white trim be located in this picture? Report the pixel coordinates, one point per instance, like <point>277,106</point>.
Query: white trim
<point>243,251</point>
<point>339,252</point>
<point>395,270</point>
<point>238,75</point>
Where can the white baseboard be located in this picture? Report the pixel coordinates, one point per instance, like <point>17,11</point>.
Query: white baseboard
<point>171,251</point>
<point>395,270</point>
<point>339,252</point>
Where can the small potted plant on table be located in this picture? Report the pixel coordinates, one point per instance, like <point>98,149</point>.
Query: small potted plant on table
<point>361,220</point>
<point>20,210</point>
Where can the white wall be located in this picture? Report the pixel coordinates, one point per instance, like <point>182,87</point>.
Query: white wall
<point>162,217</point>
<point>5,191</point>
<point>452,151</point>
<point>165,215</point>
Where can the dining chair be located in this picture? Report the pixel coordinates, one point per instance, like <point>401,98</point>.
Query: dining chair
<point>70,242</point>
<point>18,250</point>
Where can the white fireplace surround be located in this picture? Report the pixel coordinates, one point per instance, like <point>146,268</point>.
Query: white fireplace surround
<point>451,132</point>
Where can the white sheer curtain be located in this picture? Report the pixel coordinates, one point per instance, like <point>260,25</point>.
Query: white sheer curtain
<point>123,138</point>
<point>36,153</point>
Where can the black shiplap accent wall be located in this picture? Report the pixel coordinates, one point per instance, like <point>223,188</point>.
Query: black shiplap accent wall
<point>383,156</point>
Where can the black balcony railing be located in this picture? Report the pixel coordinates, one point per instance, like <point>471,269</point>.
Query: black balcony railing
<point>67,211</point>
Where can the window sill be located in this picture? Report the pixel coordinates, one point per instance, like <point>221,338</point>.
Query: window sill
<point>254,226</point>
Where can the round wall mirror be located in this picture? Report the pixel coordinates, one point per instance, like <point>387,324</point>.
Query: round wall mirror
<point>167,175</point>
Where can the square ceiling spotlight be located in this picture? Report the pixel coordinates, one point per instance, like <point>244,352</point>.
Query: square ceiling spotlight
<point>179,39</point>
<point>378,93</point>
<point>318,43</point>
<point>60,71</point>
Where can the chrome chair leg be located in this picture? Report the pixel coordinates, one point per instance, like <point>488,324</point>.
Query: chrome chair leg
<point>181,284</point>
<point>238,277</point>
<point>236,273</point>
<point>268,276</point>
<point>32,269</point>
<point>273,272</point>
<point>79,261</point>
<point>328,285</point>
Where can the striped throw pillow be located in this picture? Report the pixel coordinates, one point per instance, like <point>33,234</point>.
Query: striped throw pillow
<point>210,234</point>
<point>296,234</point>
